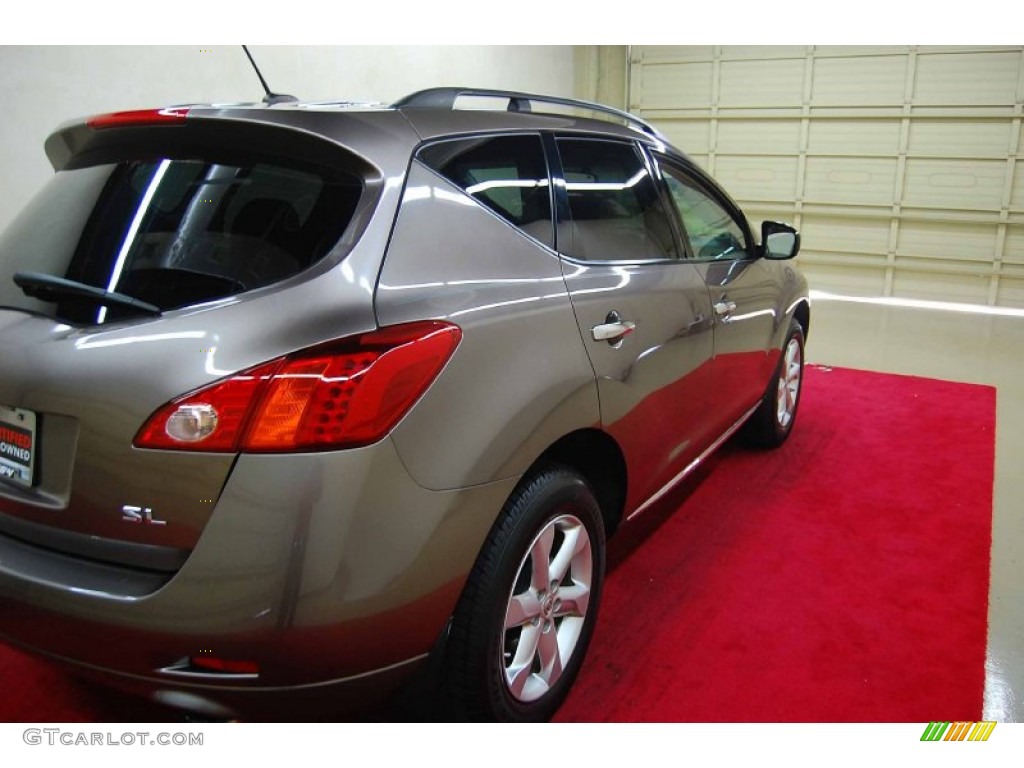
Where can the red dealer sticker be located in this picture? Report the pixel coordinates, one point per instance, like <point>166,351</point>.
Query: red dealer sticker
<point>17,444</point>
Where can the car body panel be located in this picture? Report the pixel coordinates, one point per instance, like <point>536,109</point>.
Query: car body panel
<point>310,580</point>
<point>745,354</point>
<point>656,383</point>
<point>503,295</point>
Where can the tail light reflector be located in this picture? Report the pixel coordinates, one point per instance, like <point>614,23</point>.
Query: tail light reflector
<point>226,666</point>
<point>337,395</point>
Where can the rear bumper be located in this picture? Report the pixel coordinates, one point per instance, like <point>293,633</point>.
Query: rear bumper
<point>329,700</point>
<point>329,572</point>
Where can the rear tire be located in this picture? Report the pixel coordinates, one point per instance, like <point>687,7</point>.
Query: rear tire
<point>527,613</point>
<point>773,420</point>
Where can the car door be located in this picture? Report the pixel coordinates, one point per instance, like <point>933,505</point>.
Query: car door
<point>743,292</point>
<point>643,310</point>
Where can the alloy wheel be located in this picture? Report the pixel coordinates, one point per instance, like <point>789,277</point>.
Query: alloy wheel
<point>789,383</point>
<point>547,608</point>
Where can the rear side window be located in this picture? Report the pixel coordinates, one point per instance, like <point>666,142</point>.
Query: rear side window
<point>175,232</point>
<point>617,214</point>
<point>508,174</point>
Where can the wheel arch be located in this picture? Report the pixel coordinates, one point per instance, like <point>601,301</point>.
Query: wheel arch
<point>599,459</point>
<point>802,314</point>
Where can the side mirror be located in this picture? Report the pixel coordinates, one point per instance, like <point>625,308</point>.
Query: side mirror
<point>779,241</point>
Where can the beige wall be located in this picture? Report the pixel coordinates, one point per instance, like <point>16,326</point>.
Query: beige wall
<point>900,164</point>
<point>602,74</point>
<point>43,86</point>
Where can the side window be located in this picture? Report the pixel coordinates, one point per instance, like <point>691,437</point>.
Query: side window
<point>711,231</point>
<point>617,214</point>
<point>507,174</point>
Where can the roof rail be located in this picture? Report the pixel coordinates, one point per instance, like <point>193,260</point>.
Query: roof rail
<point>444,98</point>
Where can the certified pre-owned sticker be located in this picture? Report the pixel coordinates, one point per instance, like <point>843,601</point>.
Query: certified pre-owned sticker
<point>16,444</point>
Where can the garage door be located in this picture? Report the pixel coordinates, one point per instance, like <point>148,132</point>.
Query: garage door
<point>898,164</point>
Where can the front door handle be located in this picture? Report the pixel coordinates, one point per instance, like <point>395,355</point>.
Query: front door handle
<point>724,309</point>
<point>613,330</point>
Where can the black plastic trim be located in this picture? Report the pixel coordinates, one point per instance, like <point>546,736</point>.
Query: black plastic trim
<point>150,557</point>
<point>31,563</point>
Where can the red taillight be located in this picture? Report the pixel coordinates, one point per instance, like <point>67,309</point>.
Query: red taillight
<point>230,399</point>
<point>168,116</point>
<point>225,666</point>
<point>337,395</point>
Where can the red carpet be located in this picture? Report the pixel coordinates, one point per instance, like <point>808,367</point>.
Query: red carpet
<point>843,577</point>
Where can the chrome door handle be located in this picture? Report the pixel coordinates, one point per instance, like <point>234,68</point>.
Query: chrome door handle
<point>612,331</point>
<point>725,308</point>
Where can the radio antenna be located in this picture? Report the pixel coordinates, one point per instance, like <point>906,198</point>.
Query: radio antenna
<point>271,97</point>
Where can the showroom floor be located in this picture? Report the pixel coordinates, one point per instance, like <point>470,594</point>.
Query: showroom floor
<point>969,347</point>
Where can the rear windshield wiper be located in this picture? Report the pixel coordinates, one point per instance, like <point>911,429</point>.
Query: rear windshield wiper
<point>51,289</point>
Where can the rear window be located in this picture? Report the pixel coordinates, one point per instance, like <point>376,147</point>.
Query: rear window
<point>173,232</point>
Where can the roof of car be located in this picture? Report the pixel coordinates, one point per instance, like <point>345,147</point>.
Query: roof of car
<point>385,133</point>
<point>446,100</point>
<point>436,111</point>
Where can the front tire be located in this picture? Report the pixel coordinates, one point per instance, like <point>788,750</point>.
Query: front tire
<point>773,420</point>
<point>526,615</point>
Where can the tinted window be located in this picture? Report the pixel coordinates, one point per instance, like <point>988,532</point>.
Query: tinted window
<point>505,173</point>
<point>711,231</point>
<point>616,211</point>
<point>175,232</point>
